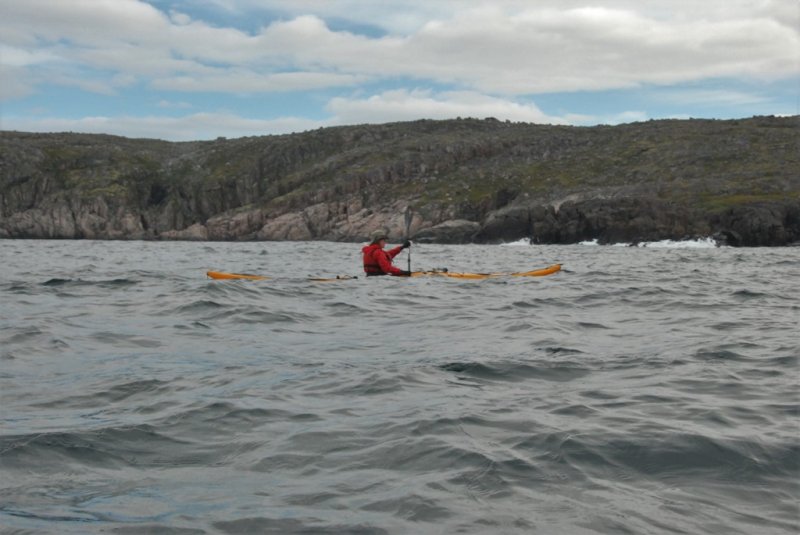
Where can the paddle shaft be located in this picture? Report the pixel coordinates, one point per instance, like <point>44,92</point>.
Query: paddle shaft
<point>408,232</point>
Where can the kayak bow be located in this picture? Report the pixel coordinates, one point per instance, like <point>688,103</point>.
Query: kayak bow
<point>219,275</point>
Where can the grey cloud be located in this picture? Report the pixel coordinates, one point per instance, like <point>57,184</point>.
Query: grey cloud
<point>504,47</point>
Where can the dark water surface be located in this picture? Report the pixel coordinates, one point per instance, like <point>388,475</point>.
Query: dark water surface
<point>639,391</point>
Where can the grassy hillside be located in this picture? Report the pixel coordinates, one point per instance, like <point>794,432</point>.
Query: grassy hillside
<point>447,169</point>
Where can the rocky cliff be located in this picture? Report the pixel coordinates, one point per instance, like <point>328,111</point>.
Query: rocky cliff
<point>465,180</point>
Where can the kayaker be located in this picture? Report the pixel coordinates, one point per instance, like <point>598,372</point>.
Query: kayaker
<point>377,261</point>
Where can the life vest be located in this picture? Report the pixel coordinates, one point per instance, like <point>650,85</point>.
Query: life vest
<point>378,261</point>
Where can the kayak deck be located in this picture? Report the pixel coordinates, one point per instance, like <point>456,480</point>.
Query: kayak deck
<point>555,268</point>
<point>220,275</point>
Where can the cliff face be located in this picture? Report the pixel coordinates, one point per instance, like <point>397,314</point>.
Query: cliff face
<point>465,180</point>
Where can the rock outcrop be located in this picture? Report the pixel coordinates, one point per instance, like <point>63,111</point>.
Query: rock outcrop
<point>774,223</point>
<point>464,180</point>
<point>450,231</point>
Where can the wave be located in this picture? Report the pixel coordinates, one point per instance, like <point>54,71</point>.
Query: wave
<point>698,243</point>
<point>146,388</point>
<point>110,447</point>
<point>515,371</point>
<point>109,283</point>
<point>262,524</point>
<point>667,456</point>
<point>518,243</point>
<point>201,435</point>
<point>633,395</point>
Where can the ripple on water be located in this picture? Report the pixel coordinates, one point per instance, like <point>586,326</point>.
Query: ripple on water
<point>512,371</point>
<point>639,391</point>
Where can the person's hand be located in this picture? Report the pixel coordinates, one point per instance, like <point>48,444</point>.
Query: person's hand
<point>406,244</point>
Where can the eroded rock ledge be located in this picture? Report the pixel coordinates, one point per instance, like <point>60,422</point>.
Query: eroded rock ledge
<point>464,181</point>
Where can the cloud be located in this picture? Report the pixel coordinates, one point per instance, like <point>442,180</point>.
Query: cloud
<point>168,104</point>
<point>19,57</point>
<point>179,18</point>
<point>719,97</point>
<point>187,128</point>
<point>247,82</point>
<point>404,105</point>
<point>399,105</point>
<point>83,22</point>
<point>407,17</point>
<point>537,51</point>
<point>388,106</point>
<point>506,47</point>
<point>449,58</point>
<point>16,84</point>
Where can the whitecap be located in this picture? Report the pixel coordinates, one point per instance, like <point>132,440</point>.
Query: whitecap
<point>523,241</point>
<point>700,243</point>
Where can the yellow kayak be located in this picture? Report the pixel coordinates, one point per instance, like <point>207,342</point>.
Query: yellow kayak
<point>555,268</point>
<point>219,275</point>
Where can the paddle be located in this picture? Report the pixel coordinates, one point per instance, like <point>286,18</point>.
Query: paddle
<point>408,233</point>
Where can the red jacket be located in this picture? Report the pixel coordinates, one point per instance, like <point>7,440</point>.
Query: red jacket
<point>379,262</point>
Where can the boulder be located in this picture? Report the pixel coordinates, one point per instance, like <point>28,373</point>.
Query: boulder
<point>627,221</point>
<point>510,223</point>
<point>358,225</point>
<point>761,224</point>
<point>451,231</point>
<point>291,226</point>
<point>244,224</point>
<point>196,232</point>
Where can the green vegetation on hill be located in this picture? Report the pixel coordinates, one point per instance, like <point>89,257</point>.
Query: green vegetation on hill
<point>463,168</point>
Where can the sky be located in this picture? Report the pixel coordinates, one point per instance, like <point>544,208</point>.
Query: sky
<point>185,70</point>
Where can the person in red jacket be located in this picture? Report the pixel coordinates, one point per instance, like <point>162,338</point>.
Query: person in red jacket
<point>377,261</point>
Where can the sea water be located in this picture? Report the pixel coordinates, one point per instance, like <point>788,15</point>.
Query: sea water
<point>640,390</point>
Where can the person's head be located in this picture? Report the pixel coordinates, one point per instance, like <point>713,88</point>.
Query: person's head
<point>378,236</point>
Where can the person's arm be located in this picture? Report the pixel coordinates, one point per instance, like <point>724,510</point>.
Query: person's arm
<point>385,262</point>
<point>394,252</point>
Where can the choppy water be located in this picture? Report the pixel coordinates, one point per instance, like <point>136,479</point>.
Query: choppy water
<point>639,391</point>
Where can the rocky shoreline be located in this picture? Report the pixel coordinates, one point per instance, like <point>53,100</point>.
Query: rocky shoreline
<point>464,181</point>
